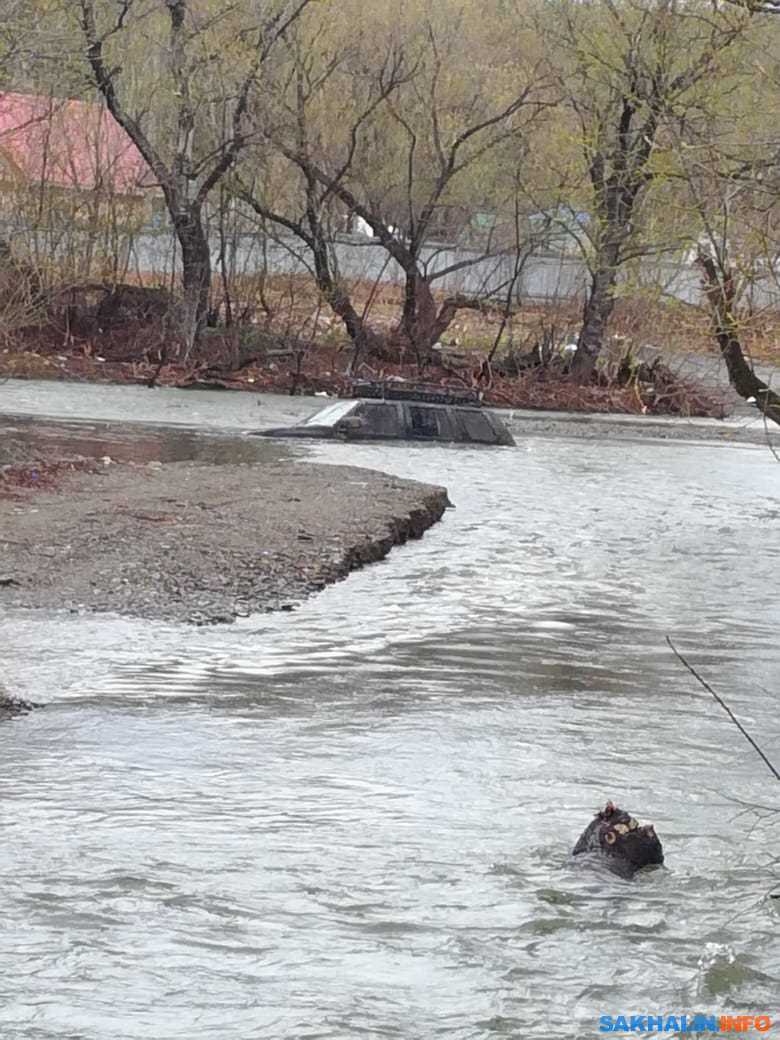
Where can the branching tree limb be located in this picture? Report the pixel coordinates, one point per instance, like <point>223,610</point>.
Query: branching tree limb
<point>186,182</point>
<point>721,296</point>
<point>406,88</point>
<point>630,70</point>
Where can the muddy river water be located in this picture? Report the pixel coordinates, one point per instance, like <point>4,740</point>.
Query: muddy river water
<point>353,820</point>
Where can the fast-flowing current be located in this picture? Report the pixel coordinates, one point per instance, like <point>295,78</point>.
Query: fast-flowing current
<point>354,820</point>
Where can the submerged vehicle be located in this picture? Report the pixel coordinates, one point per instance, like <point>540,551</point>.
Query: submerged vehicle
<point>403,411</point>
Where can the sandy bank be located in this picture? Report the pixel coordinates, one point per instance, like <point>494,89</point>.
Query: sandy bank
<point>200,543</point>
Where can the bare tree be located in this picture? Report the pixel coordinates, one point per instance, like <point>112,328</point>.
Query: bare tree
<point>186,161</point>
<point>732,182</point>
<point>721,293</point>
<point>629,68</point>
<point>312,220</point>
<point>395,164</point>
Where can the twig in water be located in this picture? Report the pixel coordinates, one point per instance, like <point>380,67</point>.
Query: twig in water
<point>725,707</point>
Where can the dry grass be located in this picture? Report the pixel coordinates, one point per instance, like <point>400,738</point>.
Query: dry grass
<point>668,325</point>
<point>289,341</point>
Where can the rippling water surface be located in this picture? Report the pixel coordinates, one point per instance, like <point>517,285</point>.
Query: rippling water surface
<point>354,820</point>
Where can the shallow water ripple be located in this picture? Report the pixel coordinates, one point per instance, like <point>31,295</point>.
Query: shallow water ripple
<point>354,820</point>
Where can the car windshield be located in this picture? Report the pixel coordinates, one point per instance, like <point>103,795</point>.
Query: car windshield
<point>330,414</point>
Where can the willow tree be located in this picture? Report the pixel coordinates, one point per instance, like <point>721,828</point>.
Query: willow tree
<point>325,89</point>
<point>628,70</point>
<point>196,62</point>
<point>393,122</point>
<point>728,159</point>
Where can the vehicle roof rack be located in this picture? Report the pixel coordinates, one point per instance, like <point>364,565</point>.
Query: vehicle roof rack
<point>407,390</point>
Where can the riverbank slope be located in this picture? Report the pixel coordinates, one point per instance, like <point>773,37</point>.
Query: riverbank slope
<point>199,543</point>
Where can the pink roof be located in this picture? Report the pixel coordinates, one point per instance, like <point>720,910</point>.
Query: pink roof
<point>70,144</point>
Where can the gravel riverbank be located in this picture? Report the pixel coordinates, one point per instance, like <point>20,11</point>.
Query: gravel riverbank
<point>202,543</point>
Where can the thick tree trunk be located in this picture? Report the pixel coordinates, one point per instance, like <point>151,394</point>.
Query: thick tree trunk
<point>597,312</point>
<point>196,277</point>
<point>420,326</point>
<point>720,291</point>
<point>423,321</point>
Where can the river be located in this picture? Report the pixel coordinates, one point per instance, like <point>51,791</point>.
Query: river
<point>354,820</point>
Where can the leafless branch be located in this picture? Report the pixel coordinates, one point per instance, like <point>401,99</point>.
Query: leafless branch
<point>725,707</point>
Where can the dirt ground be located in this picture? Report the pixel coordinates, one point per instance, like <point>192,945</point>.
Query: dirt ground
<point>198,543</point>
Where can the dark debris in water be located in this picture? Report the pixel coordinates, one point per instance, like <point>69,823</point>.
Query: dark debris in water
<point>10,707</point>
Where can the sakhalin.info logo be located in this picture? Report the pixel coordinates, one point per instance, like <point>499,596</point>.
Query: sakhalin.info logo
<point>676,1024</point>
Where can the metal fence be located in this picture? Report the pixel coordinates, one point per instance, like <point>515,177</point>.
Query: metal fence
<point>543,277</point>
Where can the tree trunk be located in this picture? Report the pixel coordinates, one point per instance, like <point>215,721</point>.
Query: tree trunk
<point>336,297</point>
<point>419,326</point>
<point>721,296</point>
<point>196,277</point>
<point>596,314</point>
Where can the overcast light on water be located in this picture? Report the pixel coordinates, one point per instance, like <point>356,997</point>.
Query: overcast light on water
<point>355,819</point>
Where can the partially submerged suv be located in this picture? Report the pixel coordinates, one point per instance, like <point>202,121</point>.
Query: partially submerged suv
<point>398,411</point>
